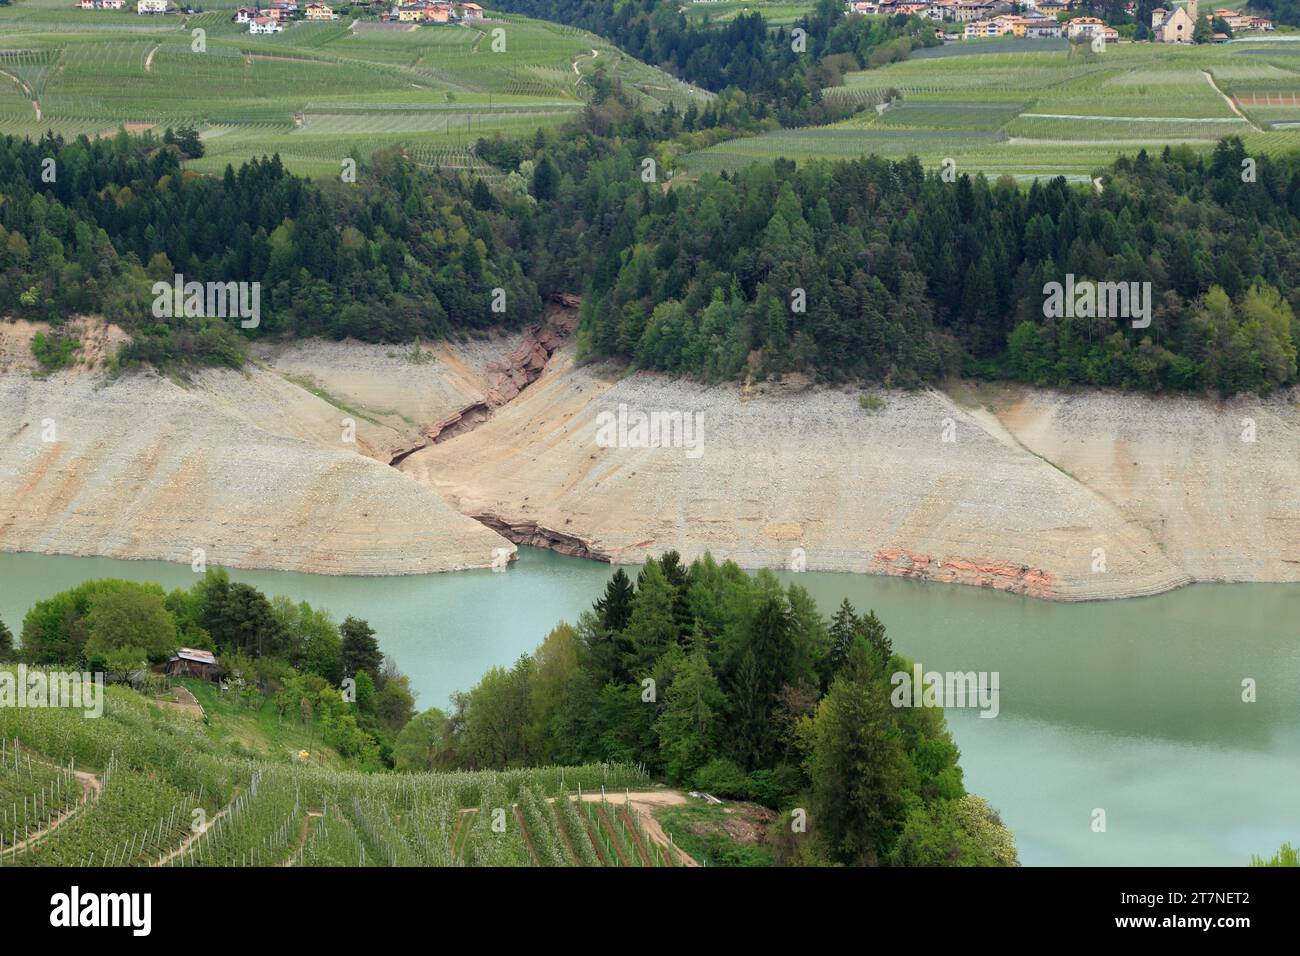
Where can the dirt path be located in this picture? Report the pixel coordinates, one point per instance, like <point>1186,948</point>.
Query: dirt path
<point>1232,105</point>
<point>185,703</point>
<point>36,104</point>
<point>583,56</point>
<point>208,825</point>
<point>148,60</point>
<point>644,801</point>
<point>1190,120</point>
<point>302,836</point>
<point>604,819</point>
<point>1033,141</point>
<point>461,819</point>
<point>634,836</point>
<point>91,788</point>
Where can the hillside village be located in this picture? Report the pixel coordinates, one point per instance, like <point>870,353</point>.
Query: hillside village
<point>281,12</point>
<point>1042,19</point>
<point>978,19</point>
<point>273,18</point>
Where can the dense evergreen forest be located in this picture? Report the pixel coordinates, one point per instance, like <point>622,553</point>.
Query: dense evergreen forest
<point>716,679</point>
<point>744,53</point>
<point>865,270</point>
<point>906,278</point>
<point>882,271</point>
<point>393,256</point>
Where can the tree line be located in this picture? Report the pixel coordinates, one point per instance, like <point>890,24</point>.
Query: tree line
<point>89,227</point>
<point>863,270</point>
<point>728,682</point>
<point>881,271</point>
<point>286,654</point>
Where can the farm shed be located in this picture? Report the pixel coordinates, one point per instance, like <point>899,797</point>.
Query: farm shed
<point>188,662</point>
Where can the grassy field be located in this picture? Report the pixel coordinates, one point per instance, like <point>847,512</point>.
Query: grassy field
<point>146,785</point>
<point>316,93</point>
<point>1038,108</point>
<point>775,12</point>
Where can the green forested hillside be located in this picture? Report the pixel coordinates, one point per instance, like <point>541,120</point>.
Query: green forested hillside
<point>701,677</point>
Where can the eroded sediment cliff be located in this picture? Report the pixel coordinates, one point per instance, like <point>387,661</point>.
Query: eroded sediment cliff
<point>809,477</point>
<point>248,467</point>
<point>1033,492</point>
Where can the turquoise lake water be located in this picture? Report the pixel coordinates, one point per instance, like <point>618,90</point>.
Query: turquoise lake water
<point>1130,706</point>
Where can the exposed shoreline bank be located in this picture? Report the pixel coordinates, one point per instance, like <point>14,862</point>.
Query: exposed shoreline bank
<point>286,466</point>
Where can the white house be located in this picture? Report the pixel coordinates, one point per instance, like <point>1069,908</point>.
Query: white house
<point>150,6</point>
<point>264,25</point>
<point>1085,28</point>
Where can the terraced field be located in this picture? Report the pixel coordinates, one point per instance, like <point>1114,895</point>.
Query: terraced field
<point>316,93</point>
<point>152,788</point>
<point>1034,108</point>
<point>775,12</point>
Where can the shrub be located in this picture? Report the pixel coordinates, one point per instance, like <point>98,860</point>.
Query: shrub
<point>54,351</point>
<point>721,777</point>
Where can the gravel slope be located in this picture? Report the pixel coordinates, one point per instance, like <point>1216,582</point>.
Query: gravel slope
<point>1002,505</point>
<point>144,468</point>
<point>1068,497</point>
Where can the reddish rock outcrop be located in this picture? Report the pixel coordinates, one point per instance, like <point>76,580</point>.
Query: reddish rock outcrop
<point>515,371</point>
<point>978,572</point>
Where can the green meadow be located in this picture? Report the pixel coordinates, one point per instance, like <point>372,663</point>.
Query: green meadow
<point>775,12</point>
<point>316,93</point>
<point>1042,108</point>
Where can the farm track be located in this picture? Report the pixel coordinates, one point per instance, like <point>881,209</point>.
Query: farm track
<point>1232,104</point>
<point>583,56</point>
<point>22,85</point>
<point>644,801</point>
<point>208,825</point>
<point>464,826</point>
<point>613,834</point>
<point>90,784</point>
<point>1030,141</point>
<point>1128,119</point>
<point>302,836</point>
<point>634,837</point>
